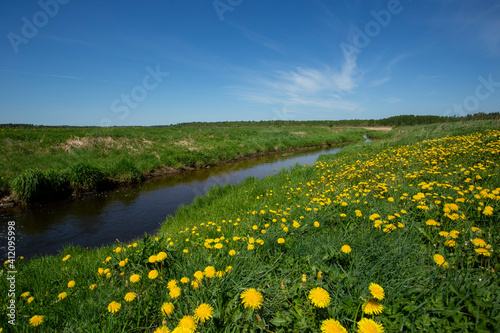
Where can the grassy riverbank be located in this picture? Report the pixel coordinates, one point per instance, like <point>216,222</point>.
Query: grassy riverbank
<point>400,233</point>
<point>40,163</point>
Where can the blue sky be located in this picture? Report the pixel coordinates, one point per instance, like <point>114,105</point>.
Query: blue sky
<point>116,63</point>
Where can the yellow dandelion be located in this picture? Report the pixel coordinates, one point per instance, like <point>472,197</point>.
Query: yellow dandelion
<point>29,300</point>
<point>372,308</point>
<point>281,241</point>
<point>62,295</point>
<point>171,284</point>
<point>483,251</point>
<point>450,243</point>
<point>232,252</point>
<point>304,278</point>
<point>129,297</point>
<point>316,224</point>
<point>163,329</point>
<point>251,299</point>
<point>36,320</point>
<point>152,259</point>
<point>203,312</point>
<point>195,284</point>
<point>188,322</point>
<point>454,233</point>
<point>135,278</point>
<point>366,325</point>
<point>479,242</point>
<point>25,294</point>
<point>346,249</point>
<point>167,309</point>
<point>209,272</point>
<point>71,284</point>
<point>174,292</point>
<point>377,291</point>
<point>66,257</point>
<point>114,307</point>
<point>153,274</point>
<point>92,286</point>
<point>198,275</point>
<point>439,259</point>
<point>184,280</point>
<point>161,256</point>
<point>319,297</point>
<point>250,247</point>
<point>332,326</point>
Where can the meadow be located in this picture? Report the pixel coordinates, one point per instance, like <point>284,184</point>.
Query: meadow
<point>45,163</point>
<point>396,235</point>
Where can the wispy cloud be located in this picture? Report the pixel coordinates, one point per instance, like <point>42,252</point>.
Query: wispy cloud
<point>303,87</point>
<point>259,39</point>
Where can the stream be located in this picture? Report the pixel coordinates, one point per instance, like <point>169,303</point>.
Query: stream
<point>128,212</point>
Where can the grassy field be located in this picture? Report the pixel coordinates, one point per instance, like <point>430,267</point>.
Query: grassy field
<point>41,163</point>
<point>397,235</point>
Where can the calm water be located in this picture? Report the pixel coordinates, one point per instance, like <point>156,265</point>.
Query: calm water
<point>128,212</point>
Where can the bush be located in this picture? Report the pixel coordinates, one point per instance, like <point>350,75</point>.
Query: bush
<point>86,177</point>
<point>34,185</point>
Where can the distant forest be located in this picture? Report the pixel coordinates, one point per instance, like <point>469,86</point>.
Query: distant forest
<point>403,120</point>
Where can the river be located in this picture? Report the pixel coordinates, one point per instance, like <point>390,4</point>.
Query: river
<point>128,212</point>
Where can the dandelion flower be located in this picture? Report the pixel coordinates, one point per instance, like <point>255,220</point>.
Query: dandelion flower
<point>167,308</point>
<point>304,278</point>
<point>204,312</point>
<point>25,294</point>
<point>252,299</point>
<point>29,300</point>
<point>195,284</point>
<point>153,274</point>
<point>62,295</point>
<point>36,320</point>
<point>319,297</point>
<point>114,307</point>
<point>171,284</point>
<point>209,272</point>
<point>100,271</point>
<point>332,326</point>
<point>175,292</point>
<point>366,325</point>
<point>163,329</point>
<point>66,258</point>
<point>129,297</point>
<point>483,251</point>
<point>188,322</point>
<point>450,243</point>
<point>346,249</point>
<point>372,308</point>
<point>250,246</point>
<point>316,224</point>
<point>479,242</point>
<point>198,275</point>
<point>184,280</point>
<point>438,259</point>
<point>71,284</point>
<point>152,259</point>
<point>161,256</point>
<point>281,241</point>
<point>135,278</point>
<point>232,252</point>
<point>92,286</point>
<point>377,291</point>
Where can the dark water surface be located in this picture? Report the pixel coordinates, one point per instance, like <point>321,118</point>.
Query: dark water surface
<point>127,212</point>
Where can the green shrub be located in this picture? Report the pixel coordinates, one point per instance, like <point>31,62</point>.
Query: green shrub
<point>34,185</point>
<point>86,177</point>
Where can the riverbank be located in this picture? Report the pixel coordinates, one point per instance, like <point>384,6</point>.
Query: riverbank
<point>45,164</point>
<point>398,233</point>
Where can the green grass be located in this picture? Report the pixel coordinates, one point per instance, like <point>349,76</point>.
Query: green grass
<point>414,177</point>
<point>128,154</point>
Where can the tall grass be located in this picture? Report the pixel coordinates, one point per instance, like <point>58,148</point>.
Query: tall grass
<point>396,206</point>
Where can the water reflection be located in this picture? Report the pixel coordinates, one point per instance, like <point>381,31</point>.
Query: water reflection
<point>128,212</point>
